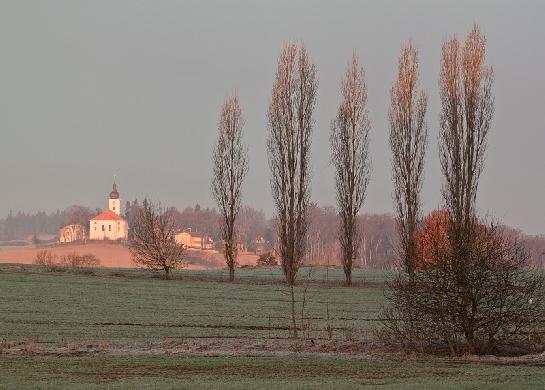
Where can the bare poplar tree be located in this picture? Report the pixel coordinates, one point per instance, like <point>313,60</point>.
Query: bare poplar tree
<point>408,140</point>
<point>152,244</point>
<point>467,108</point>
<point>230,160</point>
<point>350,153</point>
<point>476,284</point>
<point>290,118</point>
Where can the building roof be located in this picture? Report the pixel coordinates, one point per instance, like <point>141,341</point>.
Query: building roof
<point>108,215</point>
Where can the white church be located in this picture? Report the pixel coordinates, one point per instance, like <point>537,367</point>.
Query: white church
<point>109,225</point>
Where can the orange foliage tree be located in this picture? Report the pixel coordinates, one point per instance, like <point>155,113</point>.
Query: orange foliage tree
<point>432,238</point>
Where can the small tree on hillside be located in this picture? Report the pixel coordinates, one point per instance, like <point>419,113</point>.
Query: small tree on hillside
<point>350,152</point>
<point>153,245</point>
<point>230,161</point>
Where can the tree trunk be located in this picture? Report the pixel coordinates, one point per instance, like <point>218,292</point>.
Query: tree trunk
<point>294,323</point>
<point>348,274</point>
<point>231,272</point>
<point>167,273</point>
<point>229,257</point>
<point>348,256</point>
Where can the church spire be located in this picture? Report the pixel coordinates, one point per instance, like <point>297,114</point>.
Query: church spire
<point>114,194</point>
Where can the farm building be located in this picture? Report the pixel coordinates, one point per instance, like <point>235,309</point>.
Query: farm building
<point>191,241</point>
<point>71,233</point>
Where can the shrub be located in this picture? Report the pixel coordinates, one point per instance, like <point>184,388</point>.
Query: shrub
<point>73,260</point>
<point>497,304</point>
<point>47,259</point>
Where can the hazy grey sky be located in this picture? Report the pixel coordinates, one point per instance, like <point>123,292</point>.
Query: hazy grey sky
<point>89,89</point>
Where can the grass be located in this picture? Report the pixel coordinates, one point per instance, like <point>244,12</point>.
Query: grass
<point>249,372</point>
<point>130,329</point>
<point>58,307</point>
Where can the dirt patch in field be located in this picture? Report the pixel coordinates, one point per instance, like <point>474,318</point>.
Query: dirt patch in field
<point>251,347</point>
<point>113,255</point>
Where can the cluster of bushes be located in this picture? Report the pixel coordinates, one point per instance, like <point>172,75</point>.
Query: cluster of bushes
<point>485,302</point>
<point>52,262</point>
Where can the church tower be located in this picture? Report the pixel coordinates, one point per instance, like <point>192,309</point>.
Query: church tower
<point>110,225</point>
<point>114,204</point>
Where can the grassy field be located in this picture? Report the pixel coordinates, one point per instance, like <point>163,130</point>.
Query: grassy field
<point>47,308</point>
<point>250,372</point>
<point>130,329</point>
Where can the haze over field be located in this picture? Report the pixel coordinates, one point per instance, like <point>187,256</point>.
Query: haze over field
<point>93,89</point>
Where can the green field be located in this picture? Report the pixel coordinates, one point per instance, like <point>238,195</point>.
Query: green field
<point>130,329</point>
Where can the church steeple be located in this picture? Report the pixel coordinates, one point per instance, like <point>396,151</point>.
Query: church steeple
<point>114,204</point>
<point>114,194</point>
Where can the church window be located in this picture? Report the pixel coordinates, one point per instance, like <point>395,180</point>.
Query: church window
<point>103,228</point>
<point>109,228</point>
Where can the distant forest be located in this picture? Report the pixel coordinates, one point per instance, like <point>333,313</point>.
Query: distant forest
<point>378,246</point>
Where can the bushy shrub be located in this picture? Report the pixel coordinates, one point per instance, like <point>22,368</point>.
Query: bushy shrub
<point>47,259</point>
<point>495,305</point>
<point>71,260</point>
<point>74,260</point>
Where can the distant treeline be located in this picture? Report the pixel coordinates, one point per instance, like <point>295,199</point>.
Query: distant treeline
<point>21,225</point>
<point>378,246</point>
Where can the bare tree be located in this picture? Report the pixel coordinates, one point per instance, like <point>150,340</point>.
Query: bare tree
<point>477,286</point>
<point>466,114</point>
<point>290,118</point>
<point>153,245</point>
<point>408,140</point>
<point>230,161</point>
<point>78,215</point>
<point>350,153</point>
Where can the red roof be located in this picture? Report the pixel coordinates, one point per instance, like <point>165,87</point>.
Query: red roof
<point>108,216</point>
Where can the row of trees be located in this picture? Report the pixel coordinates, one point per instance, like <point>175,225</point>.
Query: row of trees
<point>465,281</point>
<point>18,226</point>
<point>290,124</point>
<point>377,240</point>
<point>467,287</point>
<point>465,284</point>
